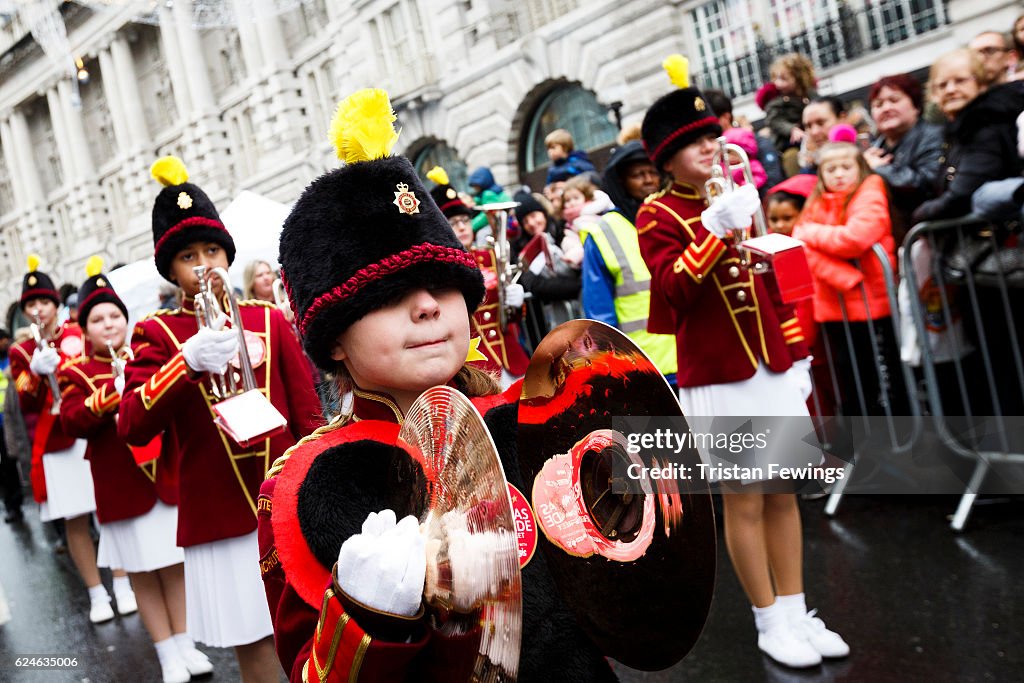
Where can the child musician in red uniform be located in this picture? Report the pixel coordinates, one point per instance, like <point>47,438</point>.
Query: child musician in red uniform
<point>136,505</point>
<point>741,353</point>
<point>499,346</point>
<point>167,391</point>
<point>61,481</point>
<point>382,292</point>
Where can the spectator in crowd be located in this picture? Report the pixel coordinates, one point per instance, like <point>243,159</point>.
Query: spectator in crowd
<point>258,281</point>
<point>997,53</point>
<point>10,479</point>
<point>907,150</point>
<point>845,216</point>
<point>981,132</point>
<point>747,141</point>
<point>616,281</point>
<point>630,131</point>
<point>766,153</point>
<point>566,161</point>
<point>582,201</point>
<point>793,82</point>
<point>820,114</point>
<point>484,189</point>
<point>1017,71</point>
<point>553,285</point>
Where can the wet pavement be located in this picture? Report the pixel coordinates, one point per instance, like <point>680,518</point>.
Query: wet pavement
<point>915,601</point>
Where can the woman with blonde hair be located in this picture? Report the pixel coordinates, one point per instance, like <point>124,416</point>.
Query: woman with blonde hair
<point>258,281</point>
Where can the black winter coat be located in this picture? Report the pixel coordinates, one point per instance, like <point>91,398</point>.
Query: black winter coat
<point>913,173</point>
<point>980,146</point>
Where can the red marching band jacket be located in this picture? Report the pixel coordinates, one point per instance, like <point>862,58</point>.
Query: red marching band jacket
<point>501,347</point>
<point>124,489</point>
<point>320,633</point>
<point>35,396</point>
<point>218,480</point>
<point>726,319</point>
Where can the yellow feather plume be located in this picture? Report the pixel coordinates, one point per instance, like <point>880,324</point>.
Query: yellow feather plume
<point>438,175</point>
<point>169,171</point>
<point>678,68</point>
<point>94,266</point>
<point>363,128</point>
<point>33,263</point>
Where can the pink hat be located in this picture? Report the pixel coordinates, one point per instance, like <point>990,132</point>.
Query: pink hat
<point>801,185</point>
<point>842,132</point>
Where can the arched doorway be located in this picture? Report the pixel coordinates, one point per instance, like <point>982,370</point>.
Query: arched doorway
<point>568,106</point>
<point>433,153</point>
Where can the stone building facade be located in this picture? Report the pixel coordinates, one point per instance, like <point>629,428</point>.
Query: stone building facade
<point>475,82</point>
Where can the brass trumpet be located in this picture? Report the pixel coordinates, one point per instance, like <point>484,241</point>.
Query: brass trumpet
<point>508,271</point>
<point>281,299</point>
<point>116,364</point>
<point>722,182</point>
<point>207,311</point>
<point>51,378</point>
<point>244,413</point>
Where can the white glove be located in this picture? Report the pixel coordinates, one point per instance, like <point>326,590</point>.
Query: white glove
<point>210,350</point>
<point>732,211</point>
<point>119,385</point>
<point>514,296</point>
<point>44,361</point>
<point>384,566</point>
<point>800,375</point>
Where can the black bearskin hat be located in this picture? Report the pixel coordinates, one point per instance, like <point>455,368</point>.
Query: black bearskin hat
<point>96,290</point>
<point>37,285</point>
<point>445,196</point>
<point>678,118</point>
<point>363,235</point>
<point>183,214</point>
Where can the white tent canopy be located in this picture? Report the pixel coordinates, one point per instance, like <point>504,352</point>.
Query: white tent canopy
<point>255,225</point>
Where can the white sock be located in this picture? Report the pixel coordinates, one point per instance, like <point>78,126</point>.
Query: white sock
<point>184,642</point>
<point>794,605</point>
<point>767,618</point>
<point>167,651</point>
<point>98,593</point>
<point>122,585</point>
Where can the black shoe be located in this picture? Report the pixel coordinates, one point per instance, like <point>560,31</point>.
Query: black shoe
<point>15,516</point>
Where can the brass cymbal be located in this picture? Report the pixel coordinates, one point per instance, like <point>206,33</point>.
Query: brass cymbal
<point>472,548</point>
<point>636,566</point>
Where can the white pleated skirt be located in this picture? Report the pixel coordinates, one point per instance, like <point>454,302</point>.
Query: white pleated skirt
<point>225,602</point>
<point>69,490</point>
<point>767,394</point>
<point>142,544</point>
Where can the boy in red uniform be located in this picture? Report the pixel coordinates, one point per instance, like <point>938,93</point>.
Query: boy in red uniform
<point>136,505</point>
<point>741,353</point>
<point>382,292</point>
<point>167,391</point>
<point>61,481</point>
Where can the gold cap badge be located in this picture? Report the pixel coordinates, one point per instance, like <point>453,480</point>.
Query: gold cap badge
<point>451,193</point>
<point>405,200</point>
<point>101,283</point>
<point>699,105</point>
<point>32,280</point>
<point>184,201</point>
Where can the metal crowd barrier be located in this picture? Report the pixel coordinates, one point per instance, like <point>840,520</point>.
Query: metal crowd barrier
<point>893,439</point>
<point>966,254</point>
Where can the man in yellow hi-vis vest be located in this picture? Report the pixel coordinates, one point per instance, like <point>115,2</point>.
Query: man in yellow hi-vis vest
<point>616,282</point>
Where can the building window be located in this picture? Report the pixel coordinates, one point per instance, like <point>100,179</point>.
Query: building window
<point>542,12</point>
<point>440,154</point>
<point>727,45</point>
<point>6,192</point>
<point>574,109</point>
<point>398,36</point>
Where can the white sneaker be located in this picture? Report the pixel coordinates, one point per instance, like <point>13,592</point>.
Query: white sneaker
<point>827,643</point>
<point>175,672</point>
<point>126,603</point>
<point>197,663</point>
<point>787,646</point>
<point>100,612</point>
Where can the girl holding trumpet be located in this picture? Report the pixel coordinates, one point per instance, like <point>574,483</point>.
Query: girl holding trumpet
<point>136,507</point>
<point>61,481</point>
<point>740,350</point>
<point>383,291</point>
<point>167,391</point>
